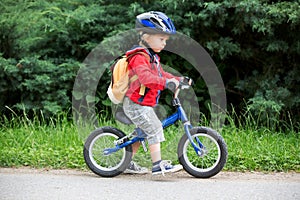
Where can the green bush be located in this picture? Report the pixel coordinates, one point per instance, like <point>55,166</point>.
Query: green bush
<point>255,45</point>
<point>34,85</point>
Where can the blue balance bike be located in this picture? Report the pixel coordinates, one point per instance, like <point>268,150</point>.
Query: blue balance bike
<point>201,150</point>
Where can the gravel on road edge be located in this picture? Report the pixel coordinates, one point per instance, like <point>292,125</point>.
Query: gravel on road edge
<point>224,175</point>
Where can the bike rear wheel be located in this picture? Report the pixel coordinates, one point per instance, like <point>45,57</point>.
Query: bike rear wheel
<point>106,165</point>
<point>213,159</point>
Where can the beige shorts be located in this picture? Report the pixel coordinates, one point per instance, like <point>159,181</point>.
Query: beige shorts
<point>145,118</point>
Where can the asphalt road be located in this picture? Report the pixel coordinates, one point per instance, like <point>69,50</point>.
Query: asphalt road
<point>70,184</point>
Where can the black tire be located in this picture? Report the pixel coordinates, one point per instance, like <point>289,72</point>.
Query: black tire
<point>106,165</point>
<point>212,162</point>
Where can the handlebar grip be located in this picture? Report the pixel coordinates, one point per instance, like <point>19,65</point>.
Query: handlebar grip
<point>188,81</point>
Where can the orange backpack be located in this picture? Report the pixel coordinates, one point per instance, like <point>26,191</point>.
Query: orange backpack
<point>120,78</point>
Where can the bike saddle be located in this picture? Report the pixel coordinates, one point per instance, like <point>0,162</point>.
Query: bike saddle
<point>122,117</point>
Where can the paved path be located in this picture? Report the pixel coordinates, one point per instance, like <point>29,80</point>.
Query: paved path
<point>70,184</point>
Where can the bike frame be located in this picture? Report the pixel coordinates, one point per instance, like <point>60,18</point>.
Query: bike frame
<point>179,115</point>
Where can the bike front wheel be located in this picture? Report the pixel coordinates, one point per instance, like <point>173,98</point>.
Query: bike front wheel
<point>213,148</point>
<point>101,163</point>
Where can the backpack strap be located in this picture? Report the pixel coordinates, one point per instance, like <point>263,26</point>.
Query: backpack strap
<point>135,77</point>
<point>142,88</point>
<point>139,52</point>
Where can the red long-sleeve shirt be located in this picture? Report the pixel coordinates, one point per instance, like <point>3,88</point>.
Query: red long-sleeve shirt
<point>149,74</point>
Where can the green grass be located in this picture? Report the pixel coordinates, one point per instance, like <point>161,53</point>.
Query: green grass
<point>58,143</point>
<point>262,150</point>
<point>32,143</point>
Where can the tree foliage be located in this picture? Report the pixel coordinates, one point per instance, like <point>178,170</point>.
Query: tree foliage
<point>255,44</point>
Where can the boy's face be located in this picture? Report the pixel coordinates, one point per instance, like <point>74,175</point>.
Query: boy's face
<point>157,41</point>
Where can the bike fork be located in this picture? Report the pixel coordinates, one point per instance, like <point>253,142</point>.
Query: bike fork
<point>199,151</point>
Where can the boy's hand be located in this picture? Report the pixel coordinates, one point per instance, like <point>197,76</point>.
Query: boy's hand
<point>172,84</point>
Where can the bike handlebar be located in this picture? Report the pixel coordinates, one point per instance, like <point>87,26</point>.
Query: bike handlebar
<point>183,84</point>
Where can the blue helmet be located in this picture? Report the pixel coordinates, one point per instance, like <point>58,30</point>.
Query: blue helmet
<point>155,22</point>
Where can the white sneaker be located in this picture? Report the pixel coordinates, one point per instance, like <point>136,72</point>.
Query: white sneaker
<point>165,166</point>
<point>134,168</point>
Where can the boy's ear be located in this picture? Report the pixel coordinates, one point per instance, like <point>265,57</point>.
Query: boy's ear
<point>145,36</point>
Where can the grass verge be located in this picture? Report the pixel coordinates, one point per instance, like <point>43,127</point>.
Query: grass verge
<point>58,144</point>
